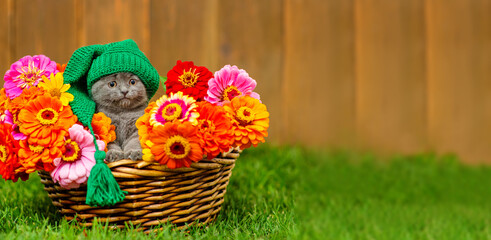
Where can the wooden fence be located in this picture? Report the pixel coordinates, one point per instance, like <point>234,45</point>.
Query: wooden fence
<point>395,76</point>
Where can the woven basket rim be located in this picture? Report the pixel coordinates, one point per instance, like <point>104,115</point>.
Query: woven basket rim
<point>215,163</point>
<point>142,167</point>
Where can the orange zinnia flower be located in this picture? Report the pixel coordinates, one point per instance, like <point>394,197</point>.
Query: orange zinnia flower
<point>45,121</point>
<point>36,157</point>
<point>214,129</point>
<point>143,123</point>
<point>101,124</point>
<point>144,128</point>
<point>20,102</point>
<point>3,101</point>
<point>25,98</point>
<point>176,144</point>
<point>60,67</point>
<point>250,120</point>
<point>10,168</point>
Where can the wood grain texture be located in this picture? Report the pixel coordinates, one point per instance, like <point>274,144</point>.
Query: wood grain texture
<point>183,30</point>
<point>385,75</point>
<point>390,75</point>
<point>318,86</point>
<point>116,20</point>
<point>252,39</point>
<point>5,15</point>
<point>459,73</point>
<point>44,27</point>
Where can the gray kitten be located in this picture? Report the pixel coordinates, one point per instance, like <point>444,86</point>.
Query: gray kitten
<point>123,98</point>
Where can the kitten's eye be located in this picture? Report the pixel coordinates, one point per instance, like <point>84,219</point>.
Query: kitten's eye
<point>132,81</point>
<point>112,84</point>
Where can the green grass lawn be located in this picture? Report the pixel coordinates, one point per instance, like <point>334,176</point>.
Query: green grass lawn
<point>291,193</point>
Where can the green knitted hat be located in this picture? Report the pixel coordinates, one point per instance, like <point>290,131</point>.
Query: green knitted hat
<point>86,66</point>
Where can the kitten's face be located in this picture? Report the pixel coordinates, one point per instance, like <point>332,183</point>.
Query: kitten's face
<point>120,91</point>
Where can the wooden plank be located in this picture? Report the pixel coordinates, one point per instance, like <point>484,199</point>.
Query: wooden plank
<point>6,9</point>
<point>318,88</point>
<point>459,73</point>
<point>44,27</point>
<point>116,20</point>
<point>328,70</point>
<point>390,75</point>
<point>252,39</point>
<point>183,30</point>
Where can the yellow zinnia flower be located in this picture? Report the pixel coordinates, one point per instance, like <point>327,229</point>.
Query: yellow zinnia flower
<point>55,87</point>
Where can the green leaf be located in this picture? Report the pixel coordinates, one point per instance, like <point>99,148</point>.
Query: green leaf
<point>163,80</point>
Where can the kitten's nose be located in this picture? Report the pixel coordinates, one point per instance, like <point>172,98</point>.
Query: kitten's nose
<point>124,93</point>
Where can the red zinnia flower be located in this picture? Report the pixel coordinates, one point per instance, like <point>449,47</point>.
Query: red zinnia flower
<point>189,79</point>
<point>10,168</point>
<point>215,129</point>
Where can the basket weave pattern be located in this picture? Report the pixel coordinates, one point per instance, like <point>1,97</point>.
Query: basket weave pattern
<point>156,194</point>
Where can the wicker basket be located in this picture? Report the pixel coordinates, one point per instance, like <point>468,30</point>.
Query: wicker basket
<point>156,194</point>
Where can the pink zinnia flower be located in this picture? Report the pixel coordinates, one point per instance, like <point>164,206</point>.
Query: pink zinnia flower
<point>73,168</point>
<point>177,107</point>
<point>228,83</point>
<point>8,118</point>
<point>27,72</point>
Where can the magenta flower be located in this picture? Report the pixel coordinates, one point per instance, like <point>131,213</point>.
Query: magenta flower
<point>27,72</point>
<point>73,168</point>
<point>8,118</point>
<point>177,107</point>
<point>228,83</point>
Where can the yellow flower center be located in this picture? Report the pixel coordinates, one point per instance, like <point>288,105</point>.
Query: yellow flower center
<point>36,149</point>
<point>189,78</point>
<point>15,117</point>
<point>55,92</point>
<point>3,153</point>
<point>230,92</point>
<point>72,151</point>
<point>245,115</point>
<point>47,116</point>
<point>205,125</point>
<point>29,77</point>
<point>177,147</point>
<point>30,74</point>
<point>171,112</point>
